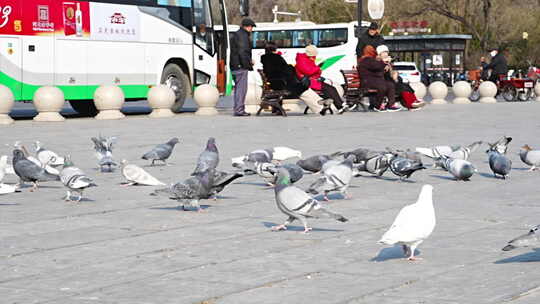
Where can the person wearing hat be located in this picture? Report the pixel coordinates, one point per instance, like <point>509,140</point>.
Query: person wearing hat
<point>241,62</point>
<point>371,70</point>
<point>369,37</point>
<point>306,67</point>
<point>498,65</point>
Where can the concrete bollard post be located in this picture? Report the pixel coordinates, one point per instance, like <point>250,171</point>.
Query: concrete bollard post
<point>48,101</point>
<point>462,91</point>
<point>537,91</point>
<point>438,91</point>
<point>206,96</point>
<point>420,89</point>
<point>161,98</point>
<point>488,90</point>
<point>109,99</point>
<point>7,100</point>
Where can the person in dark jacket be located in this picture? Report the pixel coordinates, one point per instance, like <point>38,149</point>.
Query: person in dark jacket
<point>484,74</point>
<point>371,70</point>
<point>241,63</point>
<point>280,74</point>
<point>369,37</point>
<point>405,93</point>
<point>498,65</point>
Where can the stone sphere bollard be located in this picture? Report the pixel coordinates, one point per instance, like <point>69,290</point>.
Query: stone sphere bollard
<point>420,89</point>
<point>109,99</point>
<point>7,100</point>
<point>488,90</point>
<point>206,96</point>
<point>161,98</point>
<point>537,91</point>
<point>438,91</point>
<point>48,101</point>
<point>253,98</point>
<point>462,91</point>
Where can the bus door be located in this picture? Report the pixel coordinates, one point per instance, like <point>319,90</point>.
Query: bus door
<point>221,38</point>
<point>204,50</point>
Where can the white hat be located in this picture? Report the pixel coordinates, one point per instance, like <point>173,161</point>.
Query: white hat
<point>381,49</point>
<point>311,50</point>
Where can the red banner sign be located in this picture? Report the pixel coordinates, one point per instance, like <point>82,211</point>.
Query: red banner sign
<point>44,17</point>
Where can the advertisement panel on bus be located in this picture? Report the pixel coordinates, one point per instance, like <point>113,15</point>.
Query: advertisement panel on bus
<point>97,21</point>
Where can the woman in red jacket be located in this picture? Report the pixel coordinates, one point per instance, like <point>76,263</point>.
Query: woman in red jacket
<point>305,66</point>
<point>371,70</point>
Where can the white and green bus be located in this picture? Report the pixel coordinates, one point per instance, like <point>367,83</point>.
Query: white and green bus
<point>135,44</point>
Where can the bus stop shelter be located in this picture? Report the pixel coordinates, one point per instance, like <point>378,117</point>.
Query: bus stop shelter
<point>436,56</point>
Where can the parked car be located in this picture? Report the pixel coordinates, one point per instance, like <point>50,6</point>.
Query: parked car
<point>407,71</point>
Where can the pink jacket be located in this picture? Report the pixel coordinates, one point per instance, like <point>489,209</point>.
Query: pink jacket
<point>305,66</point>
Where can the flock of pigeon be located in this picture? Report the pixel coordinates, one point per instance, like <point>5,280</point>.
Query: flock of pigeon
<point>333,173</point>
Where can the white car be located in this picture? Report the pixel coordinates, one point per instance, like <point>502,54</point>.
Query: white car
<point>407,71</point>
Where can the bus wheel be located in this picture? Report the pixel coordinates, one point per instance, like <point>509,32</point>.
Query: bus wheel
<point>178,81</point>
<point>84,107</point>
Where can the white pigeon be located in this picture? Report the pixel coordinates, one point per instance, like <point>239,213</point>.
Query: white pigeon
<point>437,150</point>
<point>5,188</point>
<point>413,224</point>
<point>47,156</point>
<point>284,153</point>
<point>136,175</point>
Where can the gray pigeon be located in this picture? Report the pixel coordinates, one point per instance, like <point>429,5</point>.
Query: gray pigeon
<point>74,179</point>
<point>531,239</point>
<point>161,152</point>
<point>209,158</point>
<point>459,168</point>
<point>191,190</point>
<point>362,154</point>
<point>297,204</point>
<point>315,163</point>
<point>498,162</point>
<point>405,167</point>
<point>268,171</point>
<point>334,178</point>
<point>530,157</point>
<point>104,147</point>
<point>221,180</point>
<point>28,171</point>
<point>376,165</point>
<point>501,145</point>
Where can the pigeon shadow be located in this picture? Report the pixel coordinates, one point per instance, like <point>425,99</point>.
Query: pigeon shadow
<point>487,175</point>
<point>533,256</point>
<point>391,253</point>
<point>443,177</point>
<point>178,208</point>
<point>9,204</point>
<point>300,228</point>
<point>521,169</point>
<point>331,197</point>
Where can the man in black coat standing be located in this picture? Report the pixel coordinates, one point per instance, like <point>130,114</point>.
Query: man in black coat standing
<point>241,63</point>
<point>498,65</point>
<point>369,37</point>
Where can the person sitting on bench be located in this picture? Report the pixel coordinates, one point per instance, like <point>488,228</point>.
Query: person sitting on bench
<point>305,66</point>
<point>405,93</point>
<point>371,70</point>
<point>282,76</point>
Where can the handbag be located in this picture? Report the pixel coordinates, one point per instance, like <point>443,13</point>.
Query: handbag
<point>306,82</point>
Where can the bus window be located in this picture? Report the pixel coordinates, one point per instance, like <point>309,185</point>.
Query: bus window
<point>203,25</point>
<point>302,38</point>
<point>259,39</point>
<point>282,39</point>
<point>332,37</point>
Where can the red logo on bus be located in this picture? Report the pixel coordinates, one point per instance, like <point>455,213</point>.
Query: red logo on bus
<point>118,18</point>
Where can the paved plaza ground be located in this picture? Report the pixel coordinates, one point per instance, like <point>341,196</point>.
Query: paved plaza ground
<point>121,245</point>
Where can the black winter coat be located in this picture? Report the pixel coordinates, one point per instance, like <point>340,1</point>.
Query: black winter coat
<point>365,39</point>
<point>241,51</point>
<point>498,65</point>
